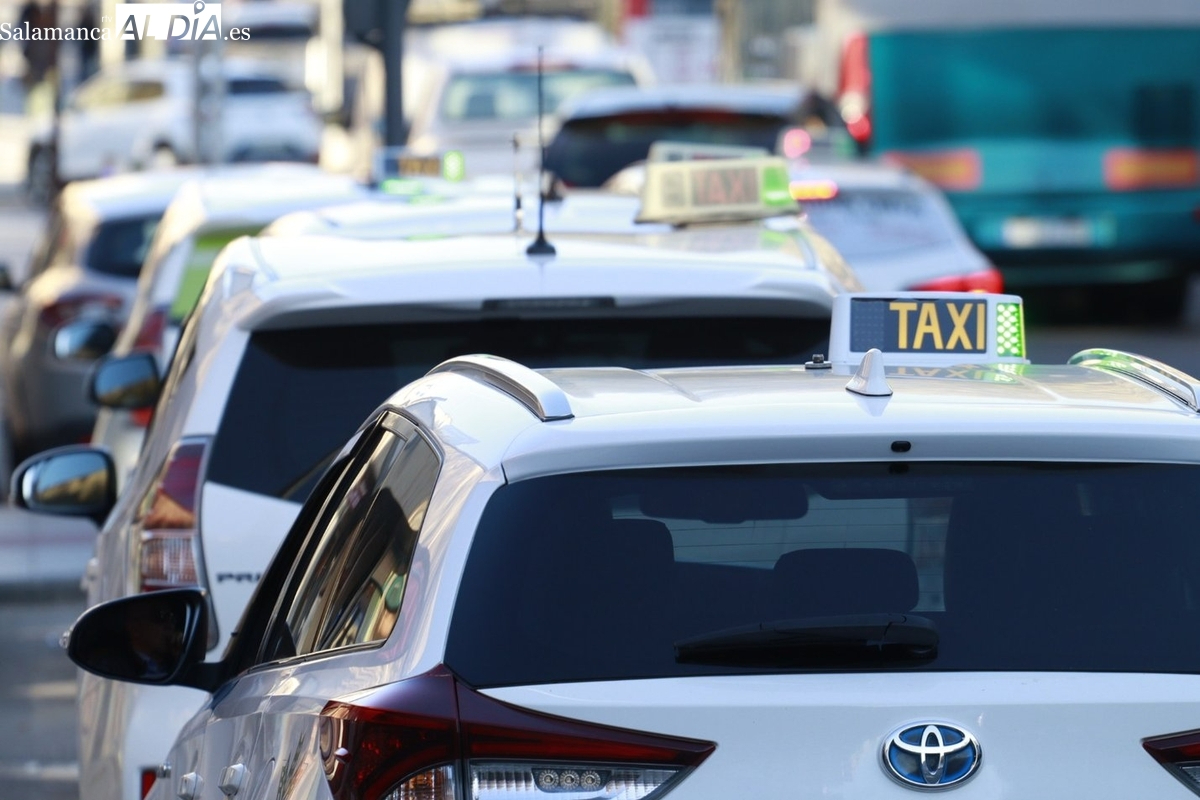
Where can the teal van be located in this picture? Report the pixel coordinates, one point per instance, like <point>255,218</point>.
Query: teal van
<point>1066,135</point>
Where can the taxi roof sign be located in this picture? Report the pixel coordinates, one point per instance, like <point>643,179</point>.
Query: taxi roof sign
<point>397,164</point>
<point>715,190</point>
<point>928,328</point>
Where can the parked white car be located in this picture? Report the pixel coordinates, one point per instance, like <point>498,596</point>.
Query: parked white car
<point>297,338</point>
<point>139,115</point>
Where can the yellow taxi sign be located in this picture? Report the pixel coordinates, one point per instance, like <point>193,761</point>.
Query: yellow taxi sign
<point>928,328</point>
<point>715,190</point>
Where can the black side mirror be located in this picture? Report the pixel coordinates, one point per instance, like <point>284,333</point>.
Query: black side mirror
<point>156,638</point>
<point>6,280</point>
<point>75,481</point>
<point>128,382</point>
<point>84,340</point>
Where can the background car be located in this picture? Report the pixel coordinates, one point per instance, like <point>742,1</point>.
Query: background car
<point>85,266</point>
<point>602,131</point>
<point>138,115</point>
<point>613,583</point>
<point>308,333</point>
<point>210,210</point>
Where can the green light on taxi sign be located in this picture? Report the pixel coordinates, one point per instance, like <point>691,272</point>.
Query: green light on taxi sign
<point>1010,330</point>
<point>454,166</point>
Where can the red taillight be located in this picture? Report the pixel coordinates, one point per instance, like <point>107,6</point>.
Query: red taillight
<point>167,517</point>
<point>150,335</point>
<point>69,307</point>
<point>149,776</point>
<point>1180,754</point>
<point>854,87</point>
<point>987,280</point>
<point>405,741</point>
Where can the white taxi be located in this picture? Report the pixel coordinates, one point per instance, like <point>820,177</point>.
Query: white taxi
<point>297,338</point>
<point>920,563</point>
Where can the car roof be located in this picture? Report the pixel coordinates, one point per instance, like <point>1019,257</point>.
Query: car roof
<point>258,192</point>
<point>860,174</point>
<point>614,418</point>
<point>130,194</point>
<point>278,280</point>
<point>771,99</point>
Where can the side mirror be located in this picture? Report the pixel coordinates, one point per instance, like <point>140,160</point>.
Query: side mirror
<point>156,638</point>
<point>84,340</point>
<point>6,281</point>
<point>128,382</point>
<point>76,481</point>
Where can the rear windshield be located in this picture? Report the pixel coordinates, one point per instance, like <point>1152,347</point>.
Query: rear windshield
<point>300,394</point>
<point>1140,84</point>
<point>242,86</point>
<point>868,223</point>
<point>119,246</point>
<point>1021,566</point>
<point>587,152</point>
<point>514,95</point>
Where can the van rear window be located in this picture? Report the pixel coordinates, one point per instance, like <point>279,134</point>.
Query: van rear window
<point>299,394</point>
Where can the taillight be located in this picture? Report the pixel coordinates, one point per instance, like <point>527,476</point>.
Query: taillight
<point>959,170</point>
<point>987,280</point>
<point>409,740</point>
<point>168,556</point>
<point>1180,754</point>
<point>70,307</point>
<point>149,776</point>
<point>1132,169</point>
<point>150,335</point>
<point>854,88</point>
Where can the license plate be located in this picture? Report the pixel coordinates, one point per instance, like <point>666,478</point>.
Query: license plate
<point>1034,232</point>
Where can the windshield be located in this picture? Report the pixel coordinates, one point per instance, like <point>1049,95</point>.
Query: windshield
<point>299,394</point>
<point>587,152</point>
<point>961,566</point>
<point>479,96</point>
<point>119,246</point>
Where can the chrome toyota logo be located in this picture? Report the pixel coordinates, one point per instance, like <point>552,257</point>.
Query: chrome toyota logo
<point>931,755</point>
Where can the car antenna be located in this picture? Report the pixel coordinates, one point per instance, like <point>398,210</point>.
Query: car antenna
<point>518,212</point>
<point>539,246</point>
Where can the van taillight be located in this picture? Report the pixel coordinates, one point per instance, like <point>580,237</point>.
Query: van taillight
<point>168,556</point>
<point>410,741</point>
<point>149,339</point>
<point>854,88</point>
<point>1180,754</point>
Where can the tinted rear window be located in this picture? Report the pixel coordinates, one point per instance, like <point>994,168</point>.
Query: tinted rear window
<point>119,246</point>
<point>299,394</point>
<point>1018,567</point>
<point>587,152</point>
<point>241,86</point>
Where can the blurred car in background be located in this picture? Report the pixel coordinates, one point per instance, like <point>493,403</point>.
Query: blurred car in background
<point>896,229</point>
<point>602,131</point>
<point>85,267</point>
<point>208,212</point>
<point>473,86</point>
<point>138,115</point>
<point>297,338</point>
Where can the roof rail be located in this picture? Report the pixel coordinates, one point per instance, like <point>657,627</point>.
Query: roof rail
<point>1164,378</point>
<point>536,392</point>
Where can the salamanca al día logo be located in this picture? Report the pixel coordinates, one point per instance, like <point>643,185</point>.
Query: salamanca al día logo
<point>192,21</point>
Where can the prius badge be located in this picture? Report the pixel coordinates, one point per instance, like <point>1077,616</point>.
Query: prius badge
<point>931,755</point>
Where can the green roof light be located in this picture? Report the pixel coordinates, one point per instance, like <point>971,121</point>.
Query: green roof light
<point>1010,330</point>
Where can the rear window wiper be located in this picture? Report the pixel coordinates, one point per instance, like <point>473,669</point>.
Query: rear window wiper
<point>850,640</point>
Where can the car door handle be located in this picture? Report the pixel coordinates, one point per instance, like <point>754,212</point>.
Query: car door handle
<point>190,786</point>
<point>233,778</point>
